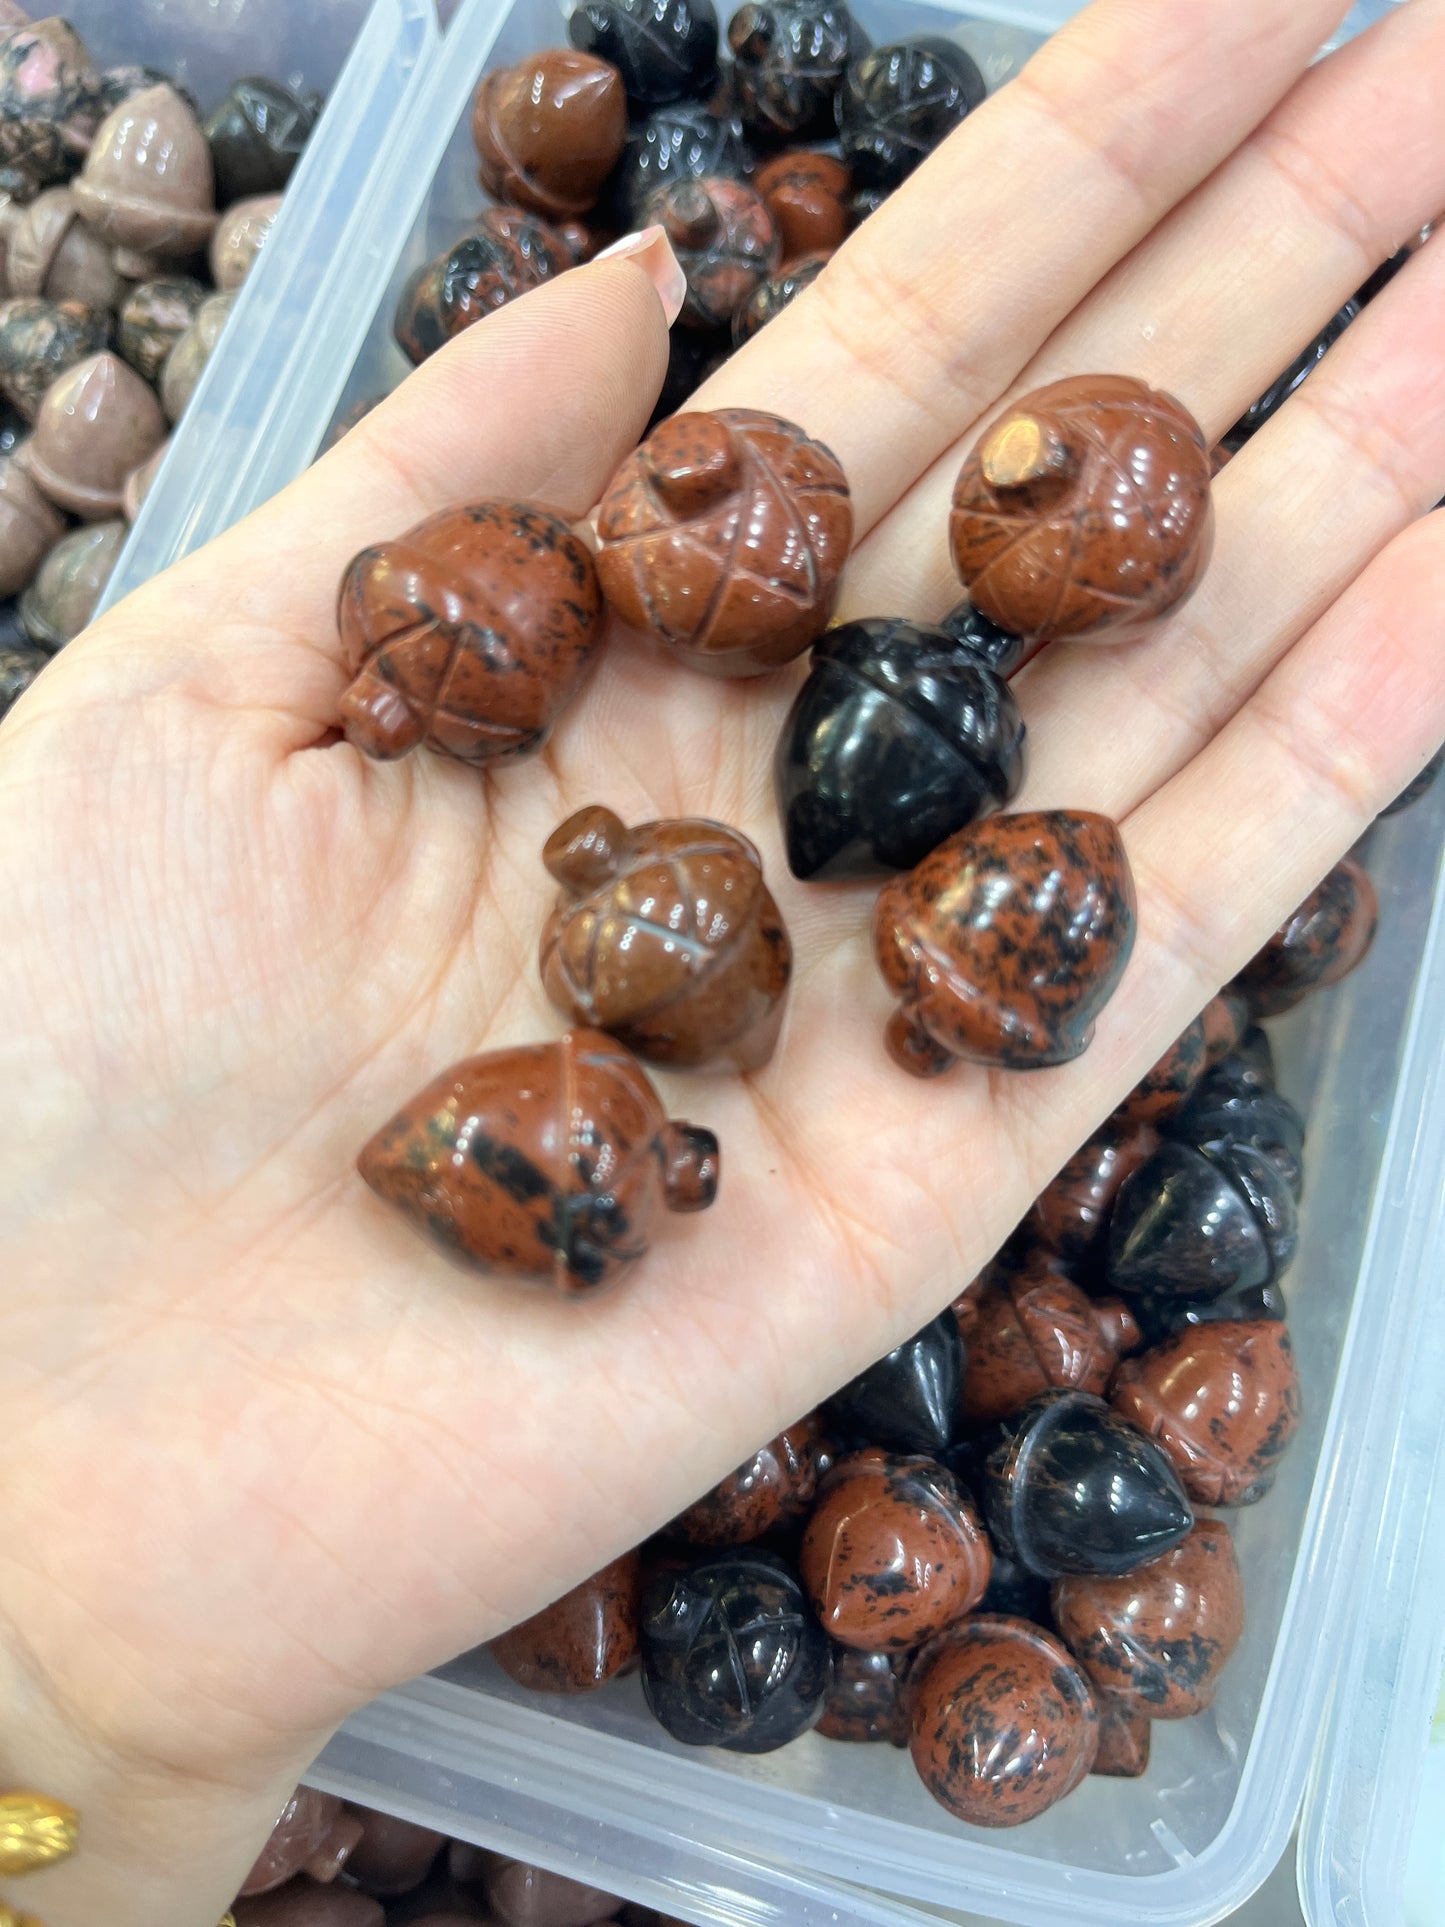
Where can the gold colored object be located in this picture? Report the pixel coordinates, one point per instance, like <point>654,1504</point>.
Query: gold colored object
<point>35,1831</point>
<point>9,1918</point>
<point>227,1920</point>
<point>1021,450</point>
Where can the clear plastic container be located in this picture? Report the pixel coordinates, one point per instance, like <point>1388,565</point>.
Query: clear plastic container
<point>364,55</point>
<point>843,1835</point>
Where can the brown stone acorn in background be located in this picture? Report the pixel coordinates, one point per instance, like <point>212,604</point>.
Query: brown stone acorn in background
<point>1006,942</point>
<point>1123,1739</point>
<point>550,1161</point>
<point>1316,945</point>
<point>550,130</point>
<point>1071,1214</point>
<point>724,537</point>
<point>1084,511</point>
<point>773,1488</point>
<point>581,1640</point>
<point>666,936</point>
<point>724,240</point>
<point>1031,1329</point>
<point>470,633</point>
<point>807,196</point>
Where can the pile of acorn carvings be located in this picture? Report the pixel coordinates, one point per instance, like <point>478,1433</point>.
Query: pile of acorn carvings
<point>989,1548</point>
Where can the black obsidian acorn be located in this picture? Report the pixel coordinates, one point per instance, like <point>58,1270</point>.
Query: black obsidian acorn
<point>257,135</point>
<point>898,102</point>
<point>1284,385</point>
<point>664,49</point>
<point>908,1401</point>
<point>732,1654</point>
<point>1420,786</point>
<point>789,57</point>
<point>770,297</point>
<point>899,737</point>
<point>684,141</point>
<point>1014,1590</point>
<point>1230,1106</point>
<point>1160,1314</point>
<point>999,648</point>
<point>1069,1486</point>
<point>1201,1223</point>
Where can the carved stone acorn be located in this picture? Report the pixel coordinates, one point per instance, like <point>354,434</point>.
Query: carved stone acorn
<point>665,50</point>
<point>1222,1399</point>
<point>724,538</point>
<point>148,184</point>
<point>1157,1640</point>
<point>1199,1222</point>
<point>1006,942</point>
<point>774,1488</point>
<point>30,527</point>
<point>39,340</point>
<point>1124,1736</point>
<point>257,135</point>
<point>807,196</point>
<point>1070,1216</point>
<point>907,1400</point>
<point>688,140</point>
<point>53,254</point>
<point>898,102</point>
<point>769,298</point>
<point>1084,512</point>
<point>666,936</point>
<point>153,318</point>
<point>471,633</point>
<point>899,737</point>
<point>507,254</point>
<point>1167,1083</point>
<point>191,356</point>
<point>549,130</point>
<point>1318,944</point>
<point>315,1835</point>
<point>241,233</point>
<point>49,100</point>
<point>789,57</point>
<point>724,240</point>
<point>581,1640</point>
<point>1032,1329</point>
<point>867,1701</point>
<point>550,1161</point>
<point>66,592</point>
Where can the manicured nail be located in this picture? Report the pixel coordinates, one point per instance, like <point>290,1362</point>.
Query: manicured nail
<point>652,251</point>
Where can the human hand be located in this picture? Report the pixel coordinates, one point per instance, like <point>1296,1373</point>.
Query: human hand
<point>267,1454</point>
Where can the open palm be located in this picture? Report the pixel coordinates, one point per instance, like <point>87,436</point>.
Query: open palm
<point>266,1453</point>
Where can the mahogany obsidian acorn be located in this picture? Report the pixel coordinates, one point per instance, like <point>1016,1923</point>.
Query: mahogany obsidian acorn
<point>1321,942</point>
<point>899,737</point>
<point>664,49</point>
<point>866,1701</point>
<point>257,135</point>
<point>1160,1314</point>
<point>999,648</point>
<point>1124,1737</point>
<point>807,196</point>
<point>731,1653</point>
<point>1164,1087</point>
<point>789,58</point>
<point>687,141</point>
<point>507,254</point>
<point>773,1488</point>
<point>770,297</point>
<point>581,1640</point>
<point>315,1835</point>
<point>724,536</point>
<point>1070,1215</point>
<point>898,102</point>
<point>551,1161</point>
<point>1225,1019</point>
<point>908,1400</point>
<point>1157,1640</point>
<point>1071,1487</point>
<point>1031,1329</point>
<point>1006,942</point>
<point>1199,1222</point>
<point>1222,1399</point>
<point>1084,512</point>
<point>1004,1721</point>
<point>892,1552</point>
<point>470,633</point>
<point>666,936</point>
<point>724,240</point>
<point>550,130</point>
<point>1284,385</point>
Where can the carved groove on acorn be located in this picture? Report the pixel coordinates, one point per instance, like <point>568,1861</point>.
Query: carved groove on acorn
<point>549,130</point>
<point>667,937</point>
<point>1084,512</point>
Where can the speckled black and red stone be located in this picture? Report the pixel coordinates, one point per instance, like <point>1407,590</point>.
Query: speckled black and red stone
<point>1004,1722</point>
<point>893,1552</point>
<point>582,1640</point>
<point>1123,1739</point>
<point>1164,1087</point>
<point>774,1488</point>
<point>1317,945</point>
<point>1032,1328</point>
<point>866,1701</point>
<point>1071,1214</point>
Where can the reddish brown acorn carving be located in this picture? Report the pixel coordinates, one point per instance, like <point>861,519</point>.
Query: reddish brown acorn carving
<point>1033,1329</point>
<point>550,1161</point>
<point>1084,511</point>
<point>724,538</point>
<point>581,1640</point>
<point>1318,944</point>
<point>773,1488</point>
<point>550,130</point>
<point>1166,1084</point>
<point>807,196</point>
<point>1071,1214</point>
<point>315,1835</point>
<point>470,634</point>
<point>667,937</point>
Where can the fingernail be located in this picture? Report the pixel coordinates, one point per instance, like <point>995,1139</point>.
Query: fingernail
<point>652,251</point>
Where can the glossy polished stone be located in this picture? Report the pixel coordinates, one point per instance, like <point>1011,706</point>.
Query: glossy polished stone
<point>1017,1592</point>
<point>241,233</point>
<point>1006,942</point>
<point>191,356</point>
<point>52,254</point>
<point>471,633</point>
<point>1228,1107</point>
<point>1419,786</point>
<point>40,340</point>
<point>908,1400</point>
<point>148,185</point>
<point>897,103</point>
<point>257,135</point>
<point>581,1640</point>
<point>1223,1401</point>
<point>525,1896</point>
<point>732,1655</point>
<point>30,527</point>
<point>20,664</point>
<point>550,1161</point>
<point>1084,512</point>
<point>1225,1019</point>
<point>1164,1087</point>
<point>152,319</point>
<point>724,240</point>
<point>899,738</point>
<point>301,1903</point>
<point>314,1835</point>
<point>98,422</point>
<point>1069,1486</point>
<point>774,1488</point>
<point>667,936</point>
<point>1032,1330</point>
<point>724,537</point>
<point>1317,945</point>
<point>893,1552</point>
<point>1157,1640</point>
<point>1161,1314</point>
<point>1124,1736</point>
<point>789,58</point>
<point>1004,1722</point>
<point>807,196</point>
<point>685,141</point>
<point>393,1856</point>
<point>1201,1223</point>
<point>66,593</point>
<point>999,648</point>
<point>866,1702</point>
<point>499,260</point>
<point>1284,385</point>
<point>550,130</point>
<point>769,298</point>
<point>118,84</point>
<point>49,100</point>
<point>665,50</point>
<point>1070,1216</point>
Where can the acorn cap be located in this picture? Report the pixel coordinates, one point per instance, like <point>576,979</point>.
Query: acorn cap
<point>148,185</point>
<point>586,851</point>
<point>909,1400</point>
<point>1185,1222</point>
<point>63,597</point>
<point>240,235</point>
<point>97,424</point>
<point>53,253</point>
